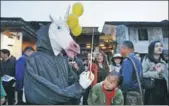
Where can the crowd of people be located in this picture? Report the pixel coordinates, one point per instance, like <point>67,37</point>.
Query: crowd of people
<point>12,75</point>
<point>122,81</point>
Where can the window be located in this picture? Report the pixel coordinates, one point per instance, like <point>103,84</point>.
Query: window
<point>142,34</point>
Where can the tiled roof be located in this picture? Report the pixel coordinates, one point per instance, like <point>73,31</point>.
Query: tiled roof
<point>138,23</point>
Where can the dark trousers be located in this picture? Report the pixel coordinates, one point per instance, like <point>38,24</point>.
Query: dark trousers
<point>85,96</point>
<point>19,96</point>
<point>28,103</point>
<point>10,91</point>
<point>74,102</point>
<point>156,95</point>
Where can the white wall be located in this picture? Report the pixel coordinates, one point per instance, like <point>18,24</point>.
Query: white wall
<point>16,49</point>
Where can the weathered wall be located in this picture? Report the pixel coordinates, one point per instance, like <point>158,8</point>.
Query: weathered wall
<point>121,35</point>
<point>108,29</point>
<point>165,43</point>
<point>154,33</point>
<point>131,33</point>
<point>165,37</point>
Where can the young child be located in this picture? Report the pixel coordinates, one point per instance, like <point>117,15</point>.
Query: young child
<point>107,92</point>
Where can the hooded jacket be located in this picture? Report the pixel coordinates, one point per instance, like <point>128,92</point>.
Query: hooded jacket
<point>149,64</point>
<point>48,79</point>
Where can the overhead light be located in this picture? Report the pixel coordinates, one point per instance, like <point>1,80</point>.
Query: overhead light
<point>112,51</point>
<point>88,46</point>
<point>107,41</point>
<point>101,45</point>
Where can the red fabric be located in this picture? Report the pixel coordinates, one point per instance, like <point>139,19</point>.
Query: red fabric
<point>94,70</point>
<point>109,95</point>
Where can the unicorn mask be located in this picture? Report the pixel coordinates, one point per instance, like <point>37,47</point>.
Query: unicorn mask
<point>60,38</point>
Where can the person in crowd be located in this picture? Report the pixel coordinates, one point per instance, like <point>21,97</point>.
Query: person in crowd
<point>91,66</point>
<point>8,75</point>
<point>165,58</point>
<point>85,63</point>
<point>103,67</point>
<point>99,67</point>
<point>130,82</point>
<point>98,50</point>
<point>47,77</point>
<point>107,92</point>
<point>77,67</point>
<point>19,75</point>
<point>153,68</point>
<point>3,94</point>
<point>165,74</point>
<point>116,62</point>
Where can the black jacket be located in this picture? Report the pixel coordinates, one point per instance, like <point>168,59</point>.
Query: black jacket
<point>8,67</point>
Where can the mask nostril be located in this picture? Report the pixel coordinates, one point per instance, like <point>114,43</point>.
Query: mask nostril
<point>74,45</point>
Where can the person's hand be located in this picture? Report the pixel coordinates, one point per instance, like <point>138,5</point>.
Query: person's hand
<point>86,79</point>
<point>75,65</point>
<point>160,67</point>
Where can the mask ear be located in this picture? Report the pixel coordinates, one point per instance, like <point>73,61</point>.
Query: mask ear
<point>51,18</point>
<point>67,13</point>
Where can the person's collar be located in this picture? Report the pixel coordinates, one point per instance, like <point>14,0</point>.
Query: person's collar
<point>131,54</point>
<point>7,59</point>
<point>118,65</point>
<point>25,54</point>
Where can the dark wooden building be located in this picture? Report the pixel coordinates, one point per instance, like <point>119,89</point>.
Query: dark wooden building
<point>25,31</point>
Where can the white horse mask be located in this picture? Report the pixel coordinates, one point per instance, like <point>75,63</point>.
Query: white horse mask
<point>60,38</point>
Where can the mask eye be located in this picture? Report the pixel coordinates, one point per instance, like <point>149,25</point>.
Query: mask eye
<point>59,27</point>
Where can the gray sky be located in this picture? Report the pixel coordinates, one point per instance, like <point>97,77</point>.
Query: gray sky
<point>95,12</point>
